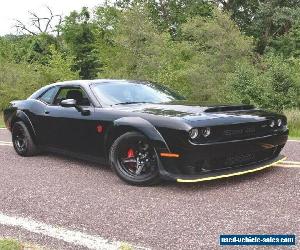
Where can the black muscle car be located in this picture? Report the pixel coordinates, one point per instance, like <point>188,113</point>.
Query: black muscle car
<point>145,131</point>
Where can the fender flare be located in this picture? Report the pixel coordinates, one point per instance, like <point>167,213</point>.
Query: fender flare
<point>22,116</point>
<point>143,126</point>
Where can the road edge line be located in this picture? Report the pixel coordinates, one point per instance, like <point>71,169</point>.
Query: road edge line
<point>73,237</point>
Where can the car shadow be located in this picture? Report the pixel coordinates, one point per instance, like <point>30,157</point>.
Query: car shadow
<point>201,186</point>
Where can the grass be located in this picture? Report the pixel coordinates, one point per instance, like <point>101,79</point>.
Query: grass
<point>293,117</point>
<point>10,244</point>
<point>125,246</point>
<point>1,123</point>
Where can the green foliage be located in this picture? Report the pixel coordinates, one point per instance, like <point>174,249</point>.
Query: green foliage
<point>141,52</point>
<point>170,15</point>
<point>264,20</point>
<point>293,116</point>
<point>125,246</point>
<point>242,12</point>
<point>273,84</point>
<point>16,81</point>
<point>219,45</point>
<point>288,45</point>
<point>207,53</point>
<point>59,67</point>
<point>195,66</point>
<point>2,125</point>
<point>9,244</point>
<point>25,48</point>
<point>79,36</point>
<point>19,80</point>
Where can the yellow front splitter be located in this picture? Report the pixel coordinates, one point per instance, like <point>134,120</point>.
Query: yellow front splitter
<point>233,174</point>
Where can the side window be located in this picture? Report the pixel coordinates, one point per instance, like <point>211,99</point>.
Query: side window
<point>49,95</point>
<point>72,93</point>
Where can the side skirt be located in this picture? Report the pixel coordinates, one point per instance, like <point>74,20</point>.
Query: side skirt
<point>75,155</point>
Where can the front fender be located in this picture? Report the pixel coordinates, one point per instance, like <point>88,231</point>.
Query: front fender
<point>146,128</point>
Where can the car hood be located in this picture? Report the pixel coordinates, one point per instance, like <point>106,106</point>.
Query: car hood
<point>202,115</point>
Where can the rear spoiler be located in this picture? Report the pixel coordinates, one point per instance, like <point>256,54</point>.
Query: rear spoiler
<point>228,108</point>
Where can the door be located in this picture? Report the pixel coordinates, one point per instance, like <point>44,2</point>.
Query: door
<point>70,129</point>
<point>39,115</point>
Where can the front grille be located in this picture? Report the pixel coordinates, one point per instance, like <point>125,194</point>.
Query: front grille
<point>245,130</point>
<point>230,161</point>
<point>239,159</point>
<point>245,159</point>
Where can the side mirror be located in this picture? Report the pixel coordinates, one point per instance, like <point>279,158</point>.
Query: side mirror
<point>71,103</point>
<point>68,103</point>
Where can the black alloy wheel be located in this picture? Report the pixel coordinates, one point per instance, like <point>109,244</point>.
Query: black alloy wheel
<point>22,140</point>
<point>134,159</point>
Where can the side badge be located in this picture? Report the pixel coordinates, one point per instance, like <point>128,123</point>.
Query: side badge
<point>99,129</point>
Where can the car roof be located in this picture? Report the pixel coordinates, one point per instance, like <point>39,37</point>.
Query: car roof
<point>83,83</point>
<point>97,81</point>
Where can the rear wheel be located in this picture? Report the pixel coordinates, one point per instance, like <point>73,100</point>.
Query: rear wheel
<point>134,159</point>
<point>22,140</point>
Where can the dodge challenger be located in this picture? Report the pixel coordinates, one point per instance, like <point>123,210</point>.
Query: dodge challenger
<point>145,131</point>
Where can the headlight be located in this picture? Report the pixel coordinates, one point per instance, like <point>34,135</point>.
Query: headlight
<point>206,132</point>
<point>272,123</point>
<point>194,133</point>
<point>279,122</point>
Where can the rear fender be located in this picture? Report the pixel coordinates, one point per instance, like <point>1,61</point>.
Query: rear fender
<point>22,116</point>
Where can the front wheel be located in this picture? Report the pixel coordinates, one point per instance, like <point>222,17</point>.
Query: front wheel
<point>134,159</point>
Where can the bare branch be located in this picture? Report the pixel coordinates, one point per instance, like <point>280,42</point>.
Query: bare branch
<point>49,19</point>
<point>41,24</point>
<point>21,27</point>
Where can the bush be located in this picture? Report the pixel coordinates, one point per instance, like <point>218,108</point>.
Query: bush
<point>20,80</point>
<point>272,84</point>
<point>196,65</point>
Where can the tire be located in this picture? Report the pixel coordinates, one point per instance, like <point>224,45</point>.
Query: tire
<point>134,159</point>
<point>22,140</point>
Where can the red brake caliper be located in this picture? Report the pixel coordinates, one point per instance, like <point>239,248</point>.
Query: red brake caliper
<point>130,153</point>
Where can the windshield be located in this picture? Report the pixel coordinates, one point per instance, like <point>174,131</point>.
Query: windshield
<point>118,93</point>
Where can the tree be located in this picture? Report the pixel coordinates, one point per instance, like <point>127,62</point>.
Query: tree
<point>265,20</point>
<point>217,46</point>
<point>272,83</point>
<point>168,15</point>
<point>287,45</point>
<point>196,65</point>
<point>78,33</point>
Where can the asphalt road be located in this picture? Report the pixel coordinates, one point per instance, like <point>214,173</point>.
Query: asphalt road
<point>89,198</point>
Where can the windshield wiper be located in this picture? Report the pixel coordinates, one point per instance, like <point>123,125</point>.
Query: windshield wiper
<point>124,103</point>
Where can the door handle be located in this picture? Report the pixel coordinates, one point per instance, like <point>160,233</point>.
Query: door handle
<point>47,112</point>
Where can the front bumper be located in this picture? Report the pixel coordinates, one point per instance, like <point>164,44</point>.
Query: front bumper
<point>231,172</point>
<point>220,160</point>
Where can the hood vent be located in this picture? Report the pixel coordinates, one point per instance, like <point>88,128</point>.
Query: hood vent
<point>228,108</point>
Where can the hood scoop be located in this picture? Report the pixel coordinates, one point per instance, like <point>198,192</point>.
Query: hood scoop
<point>228,108</point>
